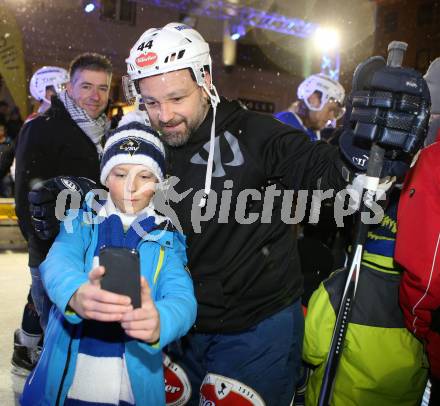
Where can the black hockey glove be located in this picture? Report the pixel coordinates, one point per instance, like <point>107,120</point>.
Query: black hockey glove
<point>43,198</point>
<point>389,106</point>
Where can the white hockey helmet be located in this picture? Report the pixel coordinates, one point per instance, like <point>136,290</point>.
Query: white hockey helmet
<point>173,47</point>
<point>47,76</point>
<point>329,88</point>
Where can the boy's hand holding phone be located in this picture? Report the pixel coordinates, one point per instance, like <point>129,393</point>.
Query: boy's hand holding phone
<point>92,302</point>
<point>143,323</point>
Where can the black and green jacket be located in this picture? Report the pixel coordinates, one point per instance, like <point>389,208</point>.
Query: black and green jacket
<point>382,362</point>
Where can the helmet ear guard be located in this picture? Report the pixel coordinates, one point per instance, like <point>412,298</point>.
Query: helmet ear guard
<point>130,90</point>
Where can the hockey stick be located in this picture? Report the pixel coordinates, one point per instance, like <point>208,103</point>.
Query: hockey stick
<point>396,50</point>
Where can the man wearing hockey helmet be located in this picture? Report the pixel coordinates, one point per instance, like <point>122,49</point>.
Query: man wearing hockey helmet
<point>46,82</point>
<point>320,100</point>
<point>246,275</point>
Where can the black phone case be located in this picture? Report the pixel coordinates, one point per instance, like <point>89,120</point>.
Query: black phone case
<point>122,273</point>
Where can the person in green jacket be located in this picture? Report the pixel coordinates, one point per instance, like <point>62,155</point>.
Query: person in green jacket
<point>382,363</point>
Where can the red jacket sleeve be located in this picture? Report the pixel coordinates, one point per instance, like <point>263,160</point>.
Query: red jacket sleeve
<point>418,249</point>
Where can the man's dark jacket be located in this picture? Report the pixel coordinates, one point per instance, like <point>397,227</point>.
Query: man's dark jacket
<point>6,157</point>
<point>244,273</point>
<point>50,145</point>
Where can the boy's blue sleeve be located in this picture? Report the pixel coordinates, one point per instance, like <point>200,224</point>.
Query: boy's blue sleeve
<point>63,269</point>
<point>177,304</point>
<point>175,300</point>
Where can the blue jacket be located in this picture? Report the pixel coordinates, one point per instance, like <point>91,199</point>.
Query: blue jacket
<point>291,119</point>
<point>65,270</point>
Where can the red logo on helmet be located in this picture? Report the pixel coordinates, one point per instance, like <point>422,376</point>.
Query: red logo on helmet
<point>217,390</point>
<point>177,386</point>
<point>146,59</point>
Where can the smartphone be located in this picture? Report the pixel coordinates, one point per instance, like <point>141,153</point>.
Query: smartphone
<point>122,272</point>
